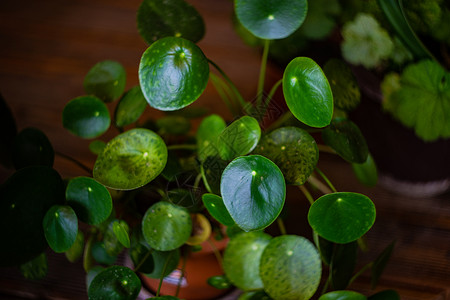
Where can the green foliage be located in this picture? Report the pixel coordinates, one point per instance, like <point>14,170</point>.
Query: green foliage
<point>106,80</point>
<point>35,269</point>
<point>115,283</point>
<point>31,147</point>
<point>60,227</point>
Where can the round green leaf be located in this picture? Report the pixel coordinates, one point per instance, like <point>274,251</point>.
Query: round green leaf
<point>90,200</point>
<point>113,283</point>
<point>366,172</point>
<point>173,73</point>
<point>347,140</point>
<point>76,250</point>
<point>207,134</point>
<point>60,227</point>
<point>307,92</point>
<point>346,93</point>
<point>131,160</point>
<point>32,147</point>
<point>242,257</point>
<point>290,268</point>
<point>271,19</point>
<point>239,138</point>
<point>130,107</point>
<point>111,243</point>
<point>26,197</point>
<point>253,191</point>
<point>219,282</point>
<point>216,208</point>
<point>293,150</point>
<point>86,117</point>
<point>158,19</point>
<point>120,229</point>
<point>106,80</point>
<point>97,146</point>
<point>166,226</point>
<point>343,295</point>
<point>342,217</point>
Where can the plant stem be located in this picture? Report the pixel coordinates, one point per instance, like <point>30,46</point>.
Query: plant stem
<point>318,184</point>
<point>161,279</point>
<point>223,91</point>
<point>262,73</point>
<point>280,121</point>
<point>306,193</point>
<point>281,226</point>
<point>197,181</point>
<point>326,149</point>
<point>360,272</point>
<point>141,262</point>
<point>326,180</point>
<point>325,287</point>
<point>216,252</point>
<point>205,181</point>
<point>78,163</point>
<point>182,147</point>
<point>183,269</point>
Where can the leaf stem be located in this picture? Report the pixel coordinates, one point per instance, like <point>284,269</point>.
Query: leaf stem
<point>360,272</point>
<point>183,269</point>
<point>281,226</point>
<point>224,92</point>
<point>216,251</point>
<point>262,73</point>
<point>161,279</point>
<point>141,262</point>
<point>326,149</point>
<point>326,180</point>
<point>78,163</point>
<point>319,185</point>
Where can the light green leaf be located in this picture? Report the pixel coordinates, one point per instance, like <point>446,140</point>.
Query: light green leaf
<point>121,229</point>
<point>76,250</point>
<point>106,80</point>
<point>216,208</point>
<point>207,134</point>
<point>130,107</point>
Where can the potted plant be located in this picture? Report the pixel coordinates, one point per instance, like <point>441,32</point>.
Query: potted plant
<point>401,50</point>
<point>162,190</point>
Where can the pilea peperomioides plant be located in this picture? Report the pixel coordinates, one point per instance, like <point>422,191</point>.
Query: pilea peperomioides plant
<point>234,172</point>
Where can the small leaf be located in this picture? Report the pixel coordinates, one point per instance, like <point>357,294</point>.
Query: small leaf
<point>106,80</point>
<point>140,253</point>
<point>173,73</point>
<point>366,172</point>
<point>115,283</point>
<point>165,261</point>
<point>100,255</point>
<point>158,19</point>
<point>76,250</point>
<point>343,295</point>
<point>86,117</point>
<point>380,263</point>
<point>307,92</point>
<point>7,134</point>
<point>385,295</point>
<point>207,134</point>
<point>293,150</point>
<point>290,268</point>
<point>220,282</point>
<point>253,191</point>
<point>347,140</point>
<point>216,208</point>
<point>242,258</point>
<point>35,269</point>
<point>166,226</point>
<point>97,146</point>
<point>131,160</point>
<point>343,264</point>
<point>174,125</point>
<point>269,19</point>
<point>342,217</point>
<point>120,229</point>
<point>60,227</point>
<point>110,241</point>
<point>31,147</point>
<point>130,107</point>
<point>90,200</point>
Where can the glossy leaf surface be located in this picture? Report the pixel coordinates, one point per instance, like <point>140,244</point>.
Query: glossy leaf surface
<point>130,107</point>
<point>60,227</point>
<point>219,282</point>
<point>90,200</point>
<point>270,19</point>
<point>241,259</point>
<point>26,197</point>
<point>131,160</point>
<point>290,268</point>
<point>346,139</point>
<point>158,19</point>
<point>166,226</point>
<point>121,229</point>
<point>173,73</point>
<point>343,295</point>
<point>106,80</point>
<point>31,147</point>
<point>253,191</point>
<point>307,92</point>
<point>115,283</point>
<point>207,134</point>
<point>293,150</point>
<point>342,217</point>
<point>86,117</point>
<point>216,208</point>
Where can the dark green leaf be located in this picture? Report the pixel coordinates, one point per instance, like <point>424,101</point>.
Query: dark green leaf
<point>100,255</point>
<point>343,295</point>
<point>344,86</point>
<point>111,243</point>
<point>385,295</point>
<point>26,197</point>
<point>380,263</point>
<point>86,117</point>
<point>121,229</point>
<point>253,191</point>
<point>106,80</point>
<point>97,146</point>
<point>75,252</point>
<point>173,73</point>
<point>8,133</point>
<point>31,147</point>
<point>307,92</point>
<point>242,258</point>
<point>186,198</point>
<point>113,283</point>
<point>216,208</point>
<point>290,268</point>
<point>158,19</point>
<point>268,19</point>
<point>90,275</point>
<point>166,226</point>
<point>174,125</point>
<point>140,253</point>
<point>60,227</point>
<point>343,264</point>
<point>342,217</point>
<point>254,295</point>
<point>131,160</point>
<point>347,140</point>
<point>165,263</point>
<point>130,107</point>
<point>90,200</point>
<point>212,169</point>
<point>325,248</point>
<point>366,172</point>
<point>293,150</point>
<point>207,135</point>
<point>36,268</point>
<point>220,282</point>
<point>189,112</point>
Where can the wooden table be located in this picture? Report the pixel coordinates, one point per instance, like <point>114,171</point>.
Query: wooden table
<point>46,48</point>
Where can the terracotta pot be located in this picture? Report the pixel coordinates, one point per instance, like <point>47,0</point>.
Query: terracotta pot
<point>198,268</point>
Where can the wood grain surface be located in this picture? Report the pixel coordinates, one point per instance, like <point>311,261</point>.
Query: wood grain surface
<point>46,48</point>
